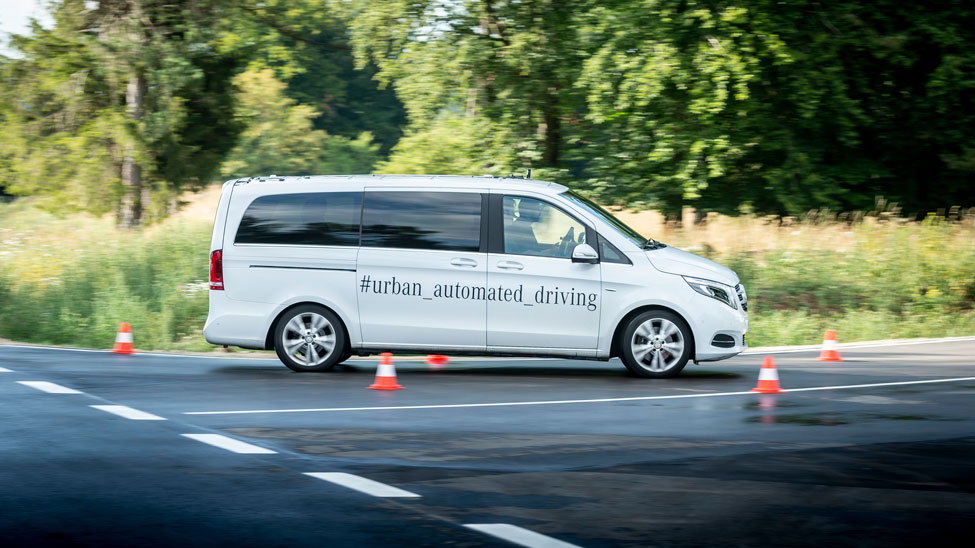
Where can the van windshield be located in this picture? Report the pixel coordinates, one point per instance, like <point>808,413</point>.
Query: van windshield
<point>595,209</point>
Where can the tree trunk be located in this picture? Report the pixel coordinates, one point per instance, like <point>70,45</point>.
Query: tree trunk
<point>130,212</point>
<point>552,131</point>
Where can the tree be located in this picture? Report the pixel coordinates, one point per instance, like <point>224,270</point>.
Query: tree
<point>117,107</point>
<point>509,63</point>
<point>763,106</point>
<point>780,107</point>
<point>307,47</point>
<point>279,136</point>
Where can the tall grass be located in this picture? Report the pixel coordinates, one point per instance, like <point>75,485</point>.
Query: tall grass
<point>877,277</point>
<point>71,280</point>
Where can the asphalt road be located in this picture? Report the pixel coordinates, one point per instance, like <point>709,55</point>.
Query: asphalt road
<point>856,453</point>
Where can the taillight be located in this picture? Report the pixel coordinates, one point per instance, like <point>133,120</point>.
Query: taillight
<point>216,270</point>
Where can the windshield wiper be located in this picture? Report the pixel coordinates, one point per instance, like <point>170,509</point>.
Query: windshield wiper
<point>653,244</point>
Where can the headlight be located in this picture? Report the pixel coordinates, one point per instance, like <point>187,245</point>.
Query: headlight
<point>713,290</point>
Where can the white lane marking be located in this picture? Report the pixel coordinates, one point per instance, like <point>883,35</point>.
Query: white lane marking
<point>140,353</point>
<point>856,346</point>
<point>878,400</point>
<point>129,413</point>
<point>230,444</point>
<point>50,387</point>
<point>5,370</point>
<point>41,347</point>
<point>519,535</point>
<point>872,385</point>
<point>558,402</point>
<point>361,484</point>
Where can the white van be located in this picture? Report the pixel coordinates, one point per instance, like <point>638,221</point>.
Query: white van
<point>320,268</point>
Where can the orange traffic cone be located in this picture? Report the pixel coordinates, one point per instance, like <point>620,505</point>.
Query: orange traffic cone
<point>829,353</point>
<point>768,378</point>
<point>123,340</point>
<point>386,374</point>
<point>437,361</point>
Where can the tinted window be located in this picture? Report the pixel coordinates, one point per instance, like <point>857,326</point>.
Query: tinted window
<point>609,254</point>
<point>302,219</point>
<point>422,220</point>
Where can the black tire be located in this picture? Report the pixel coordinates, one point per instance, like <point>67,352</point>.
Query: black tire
<point>659,334</point>
<point>302,329</point>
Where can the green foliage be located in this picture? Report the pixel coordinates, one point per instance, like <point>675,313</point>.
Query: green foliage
<point>764,106</point>
<point>69,119</point>
<point>306,47</point>
<point>760,106</point>
<point>280,137</point>
<point>897,281</point>
<point>511,64</point>
<point>63,105</point>
<point>77,278</point>
<point>452,144</point>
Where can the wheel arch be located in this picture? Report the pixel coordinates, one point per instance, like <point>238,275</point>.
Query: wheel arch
<point>269,337</point>
<point>614,348</point>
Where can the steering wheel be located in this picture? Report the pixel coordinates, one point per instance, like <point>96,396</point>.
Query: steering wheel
<point>567,240</point>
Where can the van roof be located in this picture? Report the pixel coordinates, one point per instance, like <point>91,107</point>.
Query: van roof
<point>462,181</point>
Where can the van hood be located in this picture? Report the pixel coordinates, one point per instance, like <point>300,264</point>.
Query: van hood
<point>675,261</point>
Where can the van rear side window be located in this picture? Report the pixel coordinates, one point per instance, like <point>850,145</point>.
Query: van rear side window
<point>422,220</point>
<point>321,218</point>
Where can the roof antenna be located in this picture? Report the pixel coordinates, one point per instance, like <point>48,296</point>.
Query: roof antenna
<point>528,174</point>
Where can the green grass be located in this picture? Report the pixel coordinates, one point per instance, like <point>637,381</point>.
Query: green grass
<point>894,281</point>
<point>70,281</point>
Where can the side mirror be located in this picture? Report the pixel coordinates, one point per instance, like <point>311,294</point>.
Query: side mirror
<point>584,253</point>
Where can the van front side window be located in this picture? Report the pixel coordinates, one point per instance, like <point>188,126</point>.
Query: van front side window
<point>533,227</point>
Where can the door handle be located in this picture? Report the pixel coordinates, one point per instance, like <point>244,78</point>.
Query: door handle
<point>510,265</point>
<point>463,261</point>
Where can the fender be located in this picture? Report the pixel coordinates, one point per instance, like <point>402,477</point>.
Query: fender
<point>351,325</point>
<point>608,332</point>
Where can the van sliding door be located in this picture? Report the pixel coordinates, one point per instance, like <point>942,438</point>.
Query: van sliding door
<point>422,269</point>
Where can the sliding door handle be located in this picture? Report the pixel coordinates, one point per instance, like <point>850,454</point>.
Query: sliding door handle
<point>463,261</point>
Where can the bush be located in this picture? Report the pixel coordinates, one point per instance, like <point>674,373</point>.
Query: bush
<point>72,281</point>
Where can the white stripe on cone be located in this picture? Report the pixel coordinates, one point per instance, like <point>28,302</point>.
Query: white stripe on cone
<point>829,344</point>
<point>123,338</point>
<point>768,374</point>
<point>386,370</point>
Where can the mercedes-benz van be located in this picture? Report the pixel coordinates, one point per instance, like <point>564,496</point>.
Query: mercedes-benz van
<point>320,268</point>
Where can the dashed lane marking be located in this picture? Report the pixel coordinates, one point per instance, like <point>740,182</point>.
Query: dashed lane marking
<point>361,484</point>
<point>230,444</point>
<point>50,387</point>
<point>5,370</point>
<point>519,535</point>
<point>129,413</point>
<point>560,402</point>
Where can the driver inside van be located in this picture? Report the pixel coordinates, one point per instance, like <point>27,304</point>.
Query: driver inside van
<point>519,236</point>
<point>535,218</point>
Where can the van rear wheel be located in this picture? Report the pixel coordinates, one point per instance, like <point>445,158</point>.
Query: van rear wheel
<point>309,338</point>
<point>656,344</point>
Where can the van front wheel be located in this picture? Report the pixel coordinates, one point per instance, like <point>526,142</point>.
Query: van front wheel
<point>309,338</point>
<point>656,344</point>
